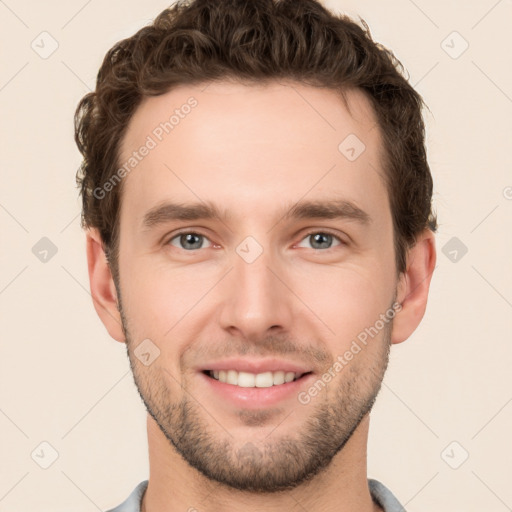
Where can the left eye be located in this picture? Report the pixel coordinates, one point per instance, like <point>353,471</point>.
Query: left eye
<point>322,240</point>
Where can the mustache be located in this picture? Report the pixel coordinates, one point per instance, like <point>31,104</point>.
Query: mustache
<point>268,346</point>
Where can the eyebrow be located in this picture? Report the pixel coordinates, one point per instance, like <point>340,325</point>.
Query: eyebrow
<point>328,209</point>
<point>318,209</point>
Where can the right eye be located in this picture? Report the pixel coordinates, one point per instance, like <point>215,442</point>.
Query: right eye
<point>188,240</point>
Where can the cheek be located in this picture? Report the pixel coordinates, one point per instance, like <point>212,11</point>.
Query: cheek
<point>159,300</point>
<point>348,300</point>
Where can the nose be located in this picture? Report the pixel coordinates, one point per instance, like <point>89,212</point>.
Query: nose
<point>256,298</point>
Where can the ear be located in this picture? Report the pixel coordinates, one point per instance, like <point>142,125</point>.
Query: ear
<point>413,286</point>
<point>102,285</point>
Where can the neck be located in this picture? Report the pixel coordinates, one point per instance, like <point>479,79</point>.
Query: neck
<point>176,486</point>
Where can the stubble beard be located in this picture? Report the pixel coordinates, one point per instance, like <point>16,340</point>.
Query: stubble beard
<point>281,461</point>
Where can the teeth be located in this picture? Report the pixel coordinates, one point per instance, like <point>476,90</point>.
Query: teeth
<point>278,378</point>
<point>289,376</point>
<point>246,380</point>
<point>232,377</point>
<point>252,380</point>
<point>264,380</point>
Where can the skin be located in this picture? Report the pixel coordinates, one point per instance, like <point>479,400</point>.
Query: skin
<point>255,151</point>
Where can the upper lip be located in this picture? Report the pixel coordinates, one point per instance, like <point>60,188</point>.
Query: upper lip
<point>256,365</point>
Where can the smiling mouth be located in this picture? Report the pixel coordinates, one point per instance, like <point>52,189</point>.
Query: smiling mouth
<point>254,380</point>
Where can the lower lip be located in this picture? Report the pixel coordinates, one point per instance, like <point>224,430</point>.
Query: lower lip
<point>257,398</point>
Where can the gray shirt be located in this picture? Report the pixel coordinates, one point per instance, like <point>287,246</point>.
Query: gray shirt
<point>380,495</point>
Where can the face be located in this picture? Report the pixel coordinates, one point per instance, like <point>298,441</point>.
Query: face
<point>255,254</point>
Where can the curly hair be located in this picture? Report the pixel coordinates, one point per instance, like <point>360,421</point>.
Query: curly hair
<point>197,41</point>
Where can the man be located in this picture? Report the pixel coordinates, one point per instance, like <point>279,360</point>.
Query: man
<point>259,232</point>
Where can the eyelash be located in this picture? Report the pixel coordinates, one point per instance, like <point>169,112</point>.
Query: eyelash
<point>306,235</point>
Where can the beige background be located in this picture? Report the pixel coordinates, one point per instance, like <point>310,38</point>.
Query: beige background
<point>65,382</point>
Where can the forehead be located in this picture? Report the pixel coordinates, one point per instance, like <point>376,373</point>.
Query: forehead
<point>252,147</point>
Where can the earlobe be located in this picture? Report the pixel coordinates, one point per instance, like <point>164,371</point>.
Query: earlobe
<point>413,286</point>
<point>102,285</point>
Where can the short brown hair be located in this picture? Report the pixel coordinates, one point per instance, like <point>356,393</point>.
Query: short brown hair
<point>259,40</point>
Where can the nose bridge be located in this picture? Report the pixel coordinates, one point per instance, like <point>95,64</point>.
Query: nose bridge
<point>256,299</point>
